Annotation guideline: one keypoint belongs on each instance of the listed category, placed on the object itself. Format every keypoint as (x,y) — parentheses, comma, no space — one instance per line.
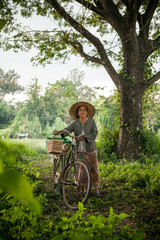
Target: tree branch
(151,80)
(78,27)
(125,2)
(107,10)
(90,37)
(155,44)
(145,19)
(128,3)
(91,7)
(113,16)
(79,48)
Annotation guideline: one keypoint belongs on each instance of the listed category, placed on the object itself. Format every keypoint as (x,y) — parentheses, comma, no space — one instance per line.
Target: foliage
(151,107)
(132,189)
(94,227)
(67,38)
(8,83)
(19,208)
(12,182)
(58,97)
(143,174)
(7,114)
(40,114)
(151,143)
(106,144)
(107,119)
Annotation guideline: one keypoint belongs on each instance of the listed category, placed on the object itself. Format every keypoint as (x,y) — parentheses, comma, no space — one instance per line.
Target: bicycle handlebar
(72,136)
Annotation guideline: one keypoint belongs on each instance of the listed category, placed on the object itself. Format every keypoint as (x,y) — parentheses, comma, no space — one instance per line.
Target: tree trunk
(131,122)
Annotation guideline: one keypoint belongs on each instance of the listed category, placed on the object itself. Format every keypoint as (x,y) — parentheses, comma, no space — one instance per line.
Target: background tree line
(41,113)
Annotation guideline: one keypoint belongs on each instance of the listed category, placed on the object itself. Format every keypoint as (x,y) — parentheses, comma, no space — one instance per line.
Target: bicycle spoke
(76,184)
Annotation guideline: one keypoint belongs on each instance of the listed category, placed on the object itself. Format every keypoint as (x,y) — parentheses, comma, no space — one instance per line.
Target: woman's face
(82,112)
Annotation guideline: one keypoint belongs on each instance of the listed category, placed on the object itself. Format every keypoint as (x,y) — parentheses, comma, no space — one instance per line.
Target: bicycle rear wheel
(76,184)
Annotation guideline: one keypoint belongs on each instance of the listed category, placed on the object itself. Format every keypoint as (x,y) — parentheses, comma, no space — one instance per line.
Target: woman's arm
(92,136)
(67,130)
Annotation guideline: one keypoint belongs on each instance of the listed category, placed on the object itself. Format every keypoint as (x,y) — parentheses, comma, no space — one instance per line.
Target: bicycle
(75,177)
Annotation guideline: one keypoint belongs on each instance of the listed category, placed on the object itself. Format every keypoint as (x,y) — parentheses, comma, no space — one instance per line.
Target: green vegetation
(40,114)
(128,209)
(130,203)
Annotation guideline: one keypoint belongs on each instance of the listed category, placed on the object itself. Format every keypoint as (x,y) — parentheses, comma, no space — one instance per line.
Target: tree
(7,114)
(83,28)
(8,83)
(33,103)
(58,97)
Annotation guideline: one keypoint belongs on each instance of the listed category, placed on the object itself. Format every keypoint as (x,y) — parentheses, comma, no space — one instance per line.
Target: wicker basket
(54,146)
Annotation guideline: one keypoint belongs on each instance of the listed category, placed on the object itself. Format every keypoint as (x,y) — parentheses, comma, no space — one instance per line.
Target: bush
(151,143)
(92,227)
(106,144)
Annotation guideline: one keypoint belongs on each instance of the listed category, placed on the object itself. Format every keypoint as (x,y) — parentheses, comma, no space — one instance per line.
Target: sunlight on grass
(31,143)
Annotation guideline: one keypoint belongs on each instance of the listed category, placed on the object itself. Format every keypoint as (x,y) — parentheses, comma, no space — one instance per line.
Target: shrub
(151,143)
(106,144)
(92,227)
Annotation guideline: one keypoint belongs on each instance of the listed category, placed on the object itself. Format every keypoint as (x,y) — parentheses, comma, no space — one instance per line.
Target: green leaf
(122,216)
(92,219)
(111,211)
(80,206)
(37,174)
(34,206)
(73,218)
(17,185)
(1,166)
(50,224)
(65,219)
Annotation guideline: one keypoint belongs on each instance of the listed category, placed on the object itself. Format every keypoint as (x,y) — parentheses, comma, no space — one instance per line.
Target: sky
(20,62)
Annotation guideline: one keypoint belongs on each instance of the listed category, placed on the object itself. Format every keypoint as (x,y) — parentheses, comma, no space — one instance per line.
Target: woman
(84,127)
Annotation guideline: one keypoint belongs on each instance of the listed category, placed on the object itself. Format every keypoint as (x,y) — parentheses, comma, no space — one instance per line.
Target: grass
(131,188)
(121,196)
(31,143)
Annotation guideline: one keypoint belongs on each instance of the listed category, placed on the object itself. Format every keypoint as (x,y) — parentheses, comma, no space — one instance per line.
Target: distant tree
(63,93)
(83,92)
(33,102)
(8,83)
(7,114)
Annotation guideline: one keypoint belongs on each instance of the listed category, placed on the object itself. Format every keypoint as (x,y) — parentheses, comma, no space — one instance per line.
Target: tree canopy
(8,83)
(85,27)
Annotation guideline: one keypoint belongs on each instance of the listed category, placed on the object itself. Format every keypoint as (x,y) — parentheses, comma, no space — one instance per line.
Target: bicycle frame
(73,189)
(71,158)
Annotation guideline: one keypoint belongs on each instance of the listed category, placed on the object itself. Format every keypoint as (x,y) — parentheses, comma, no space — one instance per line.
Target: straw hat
(73,109)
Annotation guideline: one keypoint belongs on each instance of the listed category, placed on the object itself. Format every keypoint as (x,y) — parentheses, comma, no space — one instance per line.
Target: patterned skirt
(91,160)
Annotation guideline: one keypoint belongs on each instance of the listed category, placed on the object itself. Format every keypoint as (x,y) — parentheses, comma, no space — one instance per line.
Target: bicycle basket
(54,146)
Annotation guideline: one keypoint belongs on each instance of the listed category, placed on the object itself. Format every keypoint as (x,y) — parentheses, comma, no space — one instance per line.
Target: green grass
(128,187)
(124,187)
(31,143)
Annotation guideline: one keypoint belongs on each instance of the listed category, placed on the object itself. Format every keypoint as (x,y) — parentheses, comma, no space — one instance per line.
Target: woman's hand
(81,138)
(57,132)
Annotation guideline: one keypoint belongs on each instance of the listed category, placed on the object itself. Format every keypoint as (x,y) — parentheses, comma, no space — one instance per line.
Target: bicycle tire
(76,184)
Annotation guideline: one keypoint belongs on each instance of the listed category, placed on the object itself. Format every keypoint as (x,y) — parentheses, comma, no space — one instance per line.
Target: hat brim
(73,109)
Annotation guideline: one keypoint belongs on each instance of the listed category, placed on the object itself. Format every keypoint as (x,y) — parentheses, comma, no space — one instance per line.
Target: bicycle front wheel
(76,184)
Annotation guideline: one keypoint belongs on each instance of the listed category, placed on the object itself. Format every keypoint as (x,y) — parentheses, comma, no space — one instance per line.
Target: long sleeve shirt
(89,129)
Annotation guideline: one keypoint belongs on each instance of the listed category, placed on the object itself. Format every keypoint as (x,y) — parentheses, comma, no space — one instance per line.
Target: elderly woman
(84,127)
